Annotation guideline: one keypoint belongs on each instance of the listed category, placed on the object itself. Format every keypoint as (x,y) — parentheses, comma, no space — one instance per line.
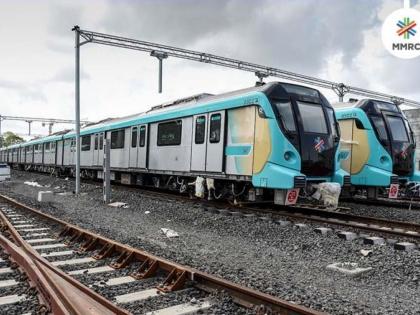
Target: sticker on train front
(292,196)
(393,191)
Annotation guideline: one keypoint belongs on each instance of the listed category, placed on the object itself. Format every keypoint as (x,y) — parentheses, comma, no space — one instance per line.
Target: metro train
(377,147)
(265,142)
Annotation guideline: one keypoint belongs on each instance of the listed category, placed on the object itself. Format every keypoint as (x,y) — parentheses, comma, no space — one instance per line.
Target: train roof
(368,104)
(187,106)
(341,105)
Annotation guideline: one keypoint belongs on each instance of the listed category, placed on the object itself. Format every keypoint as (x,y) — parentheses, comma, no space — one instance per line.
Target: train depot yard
(274,170)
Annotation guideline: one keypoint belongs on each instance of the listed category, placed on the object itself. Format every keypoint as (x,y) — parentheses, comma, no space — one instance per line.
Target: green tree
(9,138)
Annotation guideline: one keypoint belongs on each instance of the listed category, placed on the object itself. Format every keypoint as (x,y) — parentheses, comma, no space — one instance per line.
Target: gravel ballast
(280,260)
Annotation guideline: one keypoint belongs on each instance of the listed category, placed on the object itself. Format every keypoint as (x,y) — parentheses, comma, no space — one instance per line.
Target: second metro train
(377,147)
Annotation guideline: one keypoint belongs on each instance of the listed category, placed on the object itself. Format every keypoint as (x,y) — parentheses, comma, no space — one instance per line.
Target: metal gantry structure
(45,121)
(161,52)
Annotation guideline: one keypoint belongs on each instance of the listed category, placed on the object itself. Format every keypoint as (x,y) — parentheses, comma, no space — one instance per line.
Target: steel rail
(317,214)
(28,265)
(62,293)
(306,212)
(324,216)
(409,203)
(244,296)
(259,70)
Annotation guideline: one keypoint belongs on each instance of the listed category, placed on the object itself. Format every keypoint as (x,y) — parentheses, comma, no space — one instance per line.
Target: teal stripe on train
(238,149)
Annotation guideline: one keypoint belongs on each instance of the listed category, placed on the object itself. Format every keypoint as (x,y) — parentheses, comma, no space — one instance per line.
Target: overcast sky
(334,40)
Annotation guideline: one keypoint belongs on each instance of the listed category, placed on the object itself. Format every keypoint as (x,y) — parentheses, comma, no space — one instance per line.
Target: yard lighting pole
(76,30)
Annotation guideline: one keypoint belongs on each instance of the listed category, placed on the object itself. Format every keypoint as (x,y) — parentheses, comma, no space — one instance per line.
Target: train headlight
(384,160)
(289,156)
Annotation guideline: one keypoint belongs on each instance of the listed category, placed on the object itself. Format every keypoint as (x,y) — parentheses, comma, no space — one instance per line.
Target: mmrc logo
(319,144)
(399,33)
(406,28)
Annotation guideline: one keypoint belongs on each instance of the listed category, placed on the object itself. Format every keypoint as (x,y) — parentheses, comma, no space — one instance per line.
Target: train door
(142,148)
(100,158)
(199,145)
(95,149)
(133,150)
(215,142)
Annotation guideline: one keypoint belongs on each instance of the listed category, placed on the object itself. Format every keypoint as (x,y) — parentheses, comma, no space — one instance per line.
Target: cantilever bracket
(261,76)
(340,89)
(397,100)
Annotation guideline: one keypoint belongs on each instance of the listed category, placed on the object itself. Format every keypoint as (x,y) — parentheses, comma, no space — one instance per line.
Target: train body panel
(361,153)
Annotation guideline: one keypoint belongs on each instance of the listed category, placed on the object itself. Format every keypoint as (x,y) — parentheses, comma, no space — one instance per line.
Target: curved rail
(177,273)
(61,293)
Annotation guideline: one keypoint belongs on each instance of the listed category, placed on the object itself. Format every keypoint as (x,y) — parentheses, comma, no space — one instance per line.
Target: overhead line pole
(76,30)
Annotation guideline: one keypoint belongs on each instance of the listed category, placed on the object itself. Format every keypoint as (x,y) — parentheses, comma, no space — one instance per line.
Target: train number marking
(393,191)
(292,196)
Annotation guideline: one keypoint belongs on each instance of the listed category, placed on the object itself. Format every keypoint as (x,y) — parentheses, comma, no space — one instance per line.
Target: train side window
(134,137)
(200,129)
(101,141)
(96,141)
(142,141)
(169,133)
(313,118)
(215,128)
(379,124)
(85,143)
(47,147)
(117,139)
(285,114)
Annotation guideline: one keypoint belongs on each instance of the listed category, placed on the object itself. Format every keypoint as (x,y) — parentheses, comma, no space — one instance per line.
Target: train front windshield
(398,129)
(395,134)
(308,122)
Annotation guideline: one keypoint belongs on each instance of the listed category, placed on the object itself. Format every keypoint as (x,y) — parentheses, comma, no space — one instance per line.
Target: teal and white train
(260,142)
(377,146)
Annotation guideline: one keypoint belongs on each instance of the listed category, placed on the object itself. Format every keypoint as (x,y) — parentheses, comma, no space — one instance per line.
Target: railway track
(405,203)
(15,287)
(298,213)
(78,270)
